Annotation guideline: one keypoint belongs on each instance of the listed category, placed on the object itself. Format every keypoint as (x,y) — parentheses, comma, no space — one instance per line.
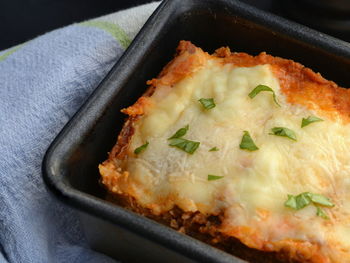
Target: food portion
(232,146)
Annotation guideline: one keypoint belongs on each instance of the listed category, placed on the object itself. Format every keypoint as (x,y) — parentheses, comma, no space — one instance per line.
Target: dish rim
(80,124)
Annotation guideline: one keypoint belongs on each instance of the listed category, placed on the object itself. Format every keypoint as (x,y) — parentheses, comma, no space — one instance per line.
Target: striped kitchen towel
(42,84)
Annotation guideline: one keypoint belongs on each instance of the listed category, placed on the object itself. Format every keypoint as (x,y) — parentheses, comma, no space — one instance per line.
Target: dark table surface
(22,20)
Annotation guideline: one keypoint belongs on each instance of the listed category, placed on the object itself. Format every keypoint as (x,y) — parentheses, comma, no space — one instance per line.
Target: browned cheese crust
(299,84)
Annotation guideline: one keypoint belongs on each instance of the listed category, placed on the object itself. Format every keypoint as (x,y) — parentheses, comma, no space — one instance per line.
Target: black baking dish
(70,165)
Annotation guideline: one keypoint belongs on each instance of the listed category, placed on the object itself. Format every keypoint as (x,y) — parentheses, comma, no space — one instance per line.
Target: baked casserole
(232,147)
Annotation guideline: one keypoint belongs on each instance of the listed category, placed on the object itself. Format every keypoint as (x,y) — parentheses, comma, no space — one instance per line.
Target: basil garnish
(321,200)
(321,213)
(302,200)
(247,142)
(212,177)
(309,120)
(184,144)
(141,148)
(181,143)
(261,88)
(284,132)
(207,103)
(214,149)
(299,201)
(180,132)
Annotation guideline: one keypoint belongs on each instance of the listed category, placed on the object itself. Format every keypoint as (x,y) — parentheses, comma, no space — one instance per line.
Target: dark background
(22,20)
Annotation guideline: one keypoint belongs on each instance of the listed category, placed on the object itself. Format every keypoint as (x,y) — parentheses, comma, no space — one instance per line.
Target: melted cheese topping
(255,184)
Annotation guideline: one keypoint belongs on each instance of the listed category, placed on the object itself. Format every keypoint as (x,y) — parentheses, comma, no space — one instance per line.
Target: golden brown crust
(187,59)
(299,84)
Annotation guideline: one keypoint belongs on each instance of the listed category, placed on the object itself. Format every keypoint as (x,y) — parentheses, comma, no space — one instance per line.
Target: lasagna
(233,148)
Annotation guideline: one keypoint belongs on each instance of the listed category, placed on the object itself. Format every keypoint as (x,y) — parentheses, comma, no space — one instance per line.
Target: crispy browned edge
(300,86)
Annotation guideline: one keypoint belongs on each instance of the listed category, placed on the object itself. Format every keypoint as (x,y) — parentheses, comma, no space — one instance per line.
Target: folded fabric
(43,82)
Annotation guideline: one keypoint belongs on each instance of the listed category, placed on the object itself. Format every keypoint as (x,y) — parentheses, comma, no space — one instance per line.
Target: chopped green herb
(291,202)
(181,132)
(181,143)
(214,149)
(261,88)
(185,145)
(284,132)
(309,120)
(321,200)
(320,212)
(141,148)
(212,177)
(302,200)
(247,143)
(299,201)
(207,103)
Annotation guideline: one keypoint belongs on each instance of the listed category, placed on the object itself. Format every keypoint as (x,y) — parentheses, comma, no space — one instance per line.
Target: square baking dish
(70,165)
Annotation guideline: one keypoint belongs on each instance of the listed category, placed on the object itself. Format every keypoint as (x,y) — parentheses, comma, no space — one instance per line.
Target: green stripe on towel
(9,52)
(116,31)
